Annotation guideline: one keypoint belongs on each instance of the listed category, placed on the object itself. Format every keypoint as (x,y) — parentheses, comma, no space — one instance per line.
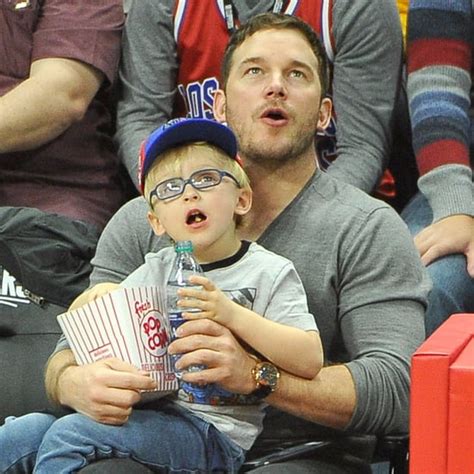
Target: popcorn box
(129,324)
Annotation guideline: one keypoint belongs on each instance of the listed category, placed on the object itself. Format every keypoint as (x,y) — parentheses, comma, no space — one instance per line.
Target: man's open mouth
(275,114)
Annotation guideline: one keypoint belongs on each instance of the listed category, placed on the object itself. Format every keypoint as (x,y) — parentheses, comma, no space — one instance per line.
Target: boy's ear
(155,224)
(324,113)
(219,105)
(244,202)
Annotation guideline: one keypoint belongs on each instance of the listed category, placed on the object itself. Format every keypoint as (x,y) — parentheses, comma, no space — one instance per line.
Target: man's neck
(273,190)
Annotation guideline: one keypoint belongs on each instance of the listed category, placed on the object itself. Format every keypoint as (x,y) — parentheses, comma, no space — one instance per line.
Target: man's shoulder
(330,211)
(83,21)
(135,209)
(130,220)
(343,199)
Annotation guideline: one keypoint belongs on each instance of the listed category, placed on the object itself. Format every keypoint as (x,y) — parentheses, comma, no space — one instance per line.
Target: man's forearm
(25,121)
(39,109)
(57,365)
(329,399)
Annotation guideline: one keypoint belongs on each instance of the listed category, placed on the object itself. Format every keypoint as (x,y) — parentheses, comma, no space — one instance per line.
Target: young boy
(197,190)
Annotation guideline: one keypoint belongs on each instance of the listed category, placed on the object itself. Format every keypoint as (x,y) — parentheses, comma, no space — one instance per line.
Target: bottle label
(175,319)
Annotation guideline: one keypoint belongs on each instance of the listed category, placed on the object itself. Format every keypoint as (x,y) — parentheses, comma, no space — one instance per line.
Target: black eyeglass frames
(200,179)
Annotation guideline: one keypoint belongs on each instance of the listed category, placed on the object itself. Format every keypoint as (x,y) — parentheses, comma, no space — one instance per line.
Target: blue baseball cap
(180,131)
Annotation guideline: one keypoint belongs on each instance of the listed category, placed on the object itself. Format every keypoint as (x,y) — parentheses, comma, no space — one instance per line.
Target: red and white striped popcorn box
(129,324)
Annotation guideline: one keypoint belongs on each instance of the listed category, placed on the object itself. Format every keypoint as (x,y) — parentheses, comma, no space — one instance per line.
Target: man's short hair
(277,21)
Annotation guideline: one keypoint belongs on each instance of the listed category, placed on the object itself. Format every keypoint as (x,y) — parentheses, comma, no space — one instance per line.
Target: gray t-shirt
(259,280)
(363,279)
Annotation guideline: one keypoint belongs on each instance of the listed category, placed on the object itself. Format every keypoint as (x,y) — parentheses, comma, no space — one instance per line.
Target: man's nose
(276,87)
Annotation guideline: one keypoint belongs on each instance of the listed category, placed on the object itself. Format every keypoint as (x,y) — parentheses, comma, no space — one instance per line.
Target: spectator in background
(57,61)
(441,215)
(172,51)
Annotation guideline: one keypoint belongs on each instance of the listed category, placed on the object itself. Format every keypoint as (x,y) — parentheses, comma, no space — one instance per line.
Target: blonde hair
(172,159)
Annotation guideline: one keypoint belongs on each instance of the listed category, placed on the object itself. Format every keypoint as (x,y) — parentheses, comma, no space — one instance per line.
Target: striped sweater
(439,90)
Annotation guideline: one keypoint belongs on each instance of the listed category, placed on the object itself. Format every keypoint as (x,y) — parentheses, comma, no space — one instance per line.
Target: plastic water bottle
(185,265)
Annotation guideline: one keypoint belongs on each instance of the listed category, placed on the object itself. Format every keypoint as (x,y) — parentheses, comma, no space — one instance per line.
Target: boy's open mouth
(195,217)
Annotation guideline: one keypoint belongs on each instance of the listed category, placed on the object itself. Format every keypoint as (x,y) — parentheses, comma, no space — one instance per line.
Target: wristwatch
(266,377)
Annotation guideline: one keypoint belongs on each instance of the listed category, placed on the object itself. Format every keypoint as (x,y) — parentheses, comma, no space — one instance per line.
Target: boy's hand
(212,302)
(92,294)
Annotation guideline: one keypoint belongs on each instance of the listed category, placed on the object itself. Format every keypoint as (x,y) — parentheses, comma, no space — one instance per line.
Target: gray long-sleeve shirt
(363,278)
(366,75)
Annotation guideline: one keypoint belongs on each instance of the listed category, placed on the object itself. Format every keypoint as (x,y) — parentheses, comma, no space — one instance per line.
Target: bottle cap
(183,246)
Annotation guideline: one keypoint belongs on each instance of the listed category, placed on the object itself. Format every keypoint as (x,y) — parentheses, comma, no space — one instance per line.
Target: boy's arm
(290,348)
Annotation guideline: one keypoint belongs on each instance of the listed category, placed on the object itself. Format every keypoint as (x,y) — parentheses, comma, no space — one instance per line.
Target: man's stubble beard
(252,149)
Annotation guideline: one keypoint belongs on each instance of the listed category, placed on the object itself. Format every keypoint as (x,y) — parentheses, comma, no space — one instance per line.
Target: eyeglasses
(201,179)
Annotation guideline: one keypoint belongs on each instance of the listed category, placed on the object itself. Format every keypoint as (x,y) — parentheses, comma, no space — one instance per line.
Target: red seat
(442,400)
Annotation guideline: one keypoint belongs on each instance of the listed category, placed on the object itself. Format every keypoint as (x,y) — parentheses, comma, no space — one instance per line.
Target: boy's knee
(28,430)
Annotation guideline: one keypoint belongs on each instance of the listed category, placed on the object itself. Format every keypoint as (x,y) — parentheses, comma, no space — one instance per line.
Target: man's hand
(105,390)
(206,342)
(453,234)
(212,302)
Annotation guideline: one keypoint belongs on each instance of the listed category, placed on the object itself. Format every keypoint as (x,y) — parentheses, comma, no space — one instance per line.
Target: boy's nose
(189,193)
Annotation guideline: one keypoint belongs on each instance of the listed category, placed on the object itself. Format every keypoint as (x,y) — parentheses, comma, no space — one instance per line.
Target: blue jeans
(453,288)
(19,441)
(170,439)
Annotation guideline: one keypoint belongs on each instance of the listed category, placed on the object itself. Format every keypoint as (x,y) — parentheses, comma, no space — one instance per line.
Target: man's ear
(219,105)
(244,202)
(155,224)
(324,113)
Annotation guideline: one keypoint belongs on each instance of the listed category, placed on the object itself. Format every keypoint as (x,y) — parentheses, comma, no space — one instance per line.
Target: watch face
(268,375)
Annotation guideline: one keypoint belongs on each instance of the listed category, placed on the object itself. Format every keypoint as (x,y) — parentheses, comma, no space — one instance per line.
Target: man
(172,52)
(56,63)
(60,178)
(363,278)
(441,215)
